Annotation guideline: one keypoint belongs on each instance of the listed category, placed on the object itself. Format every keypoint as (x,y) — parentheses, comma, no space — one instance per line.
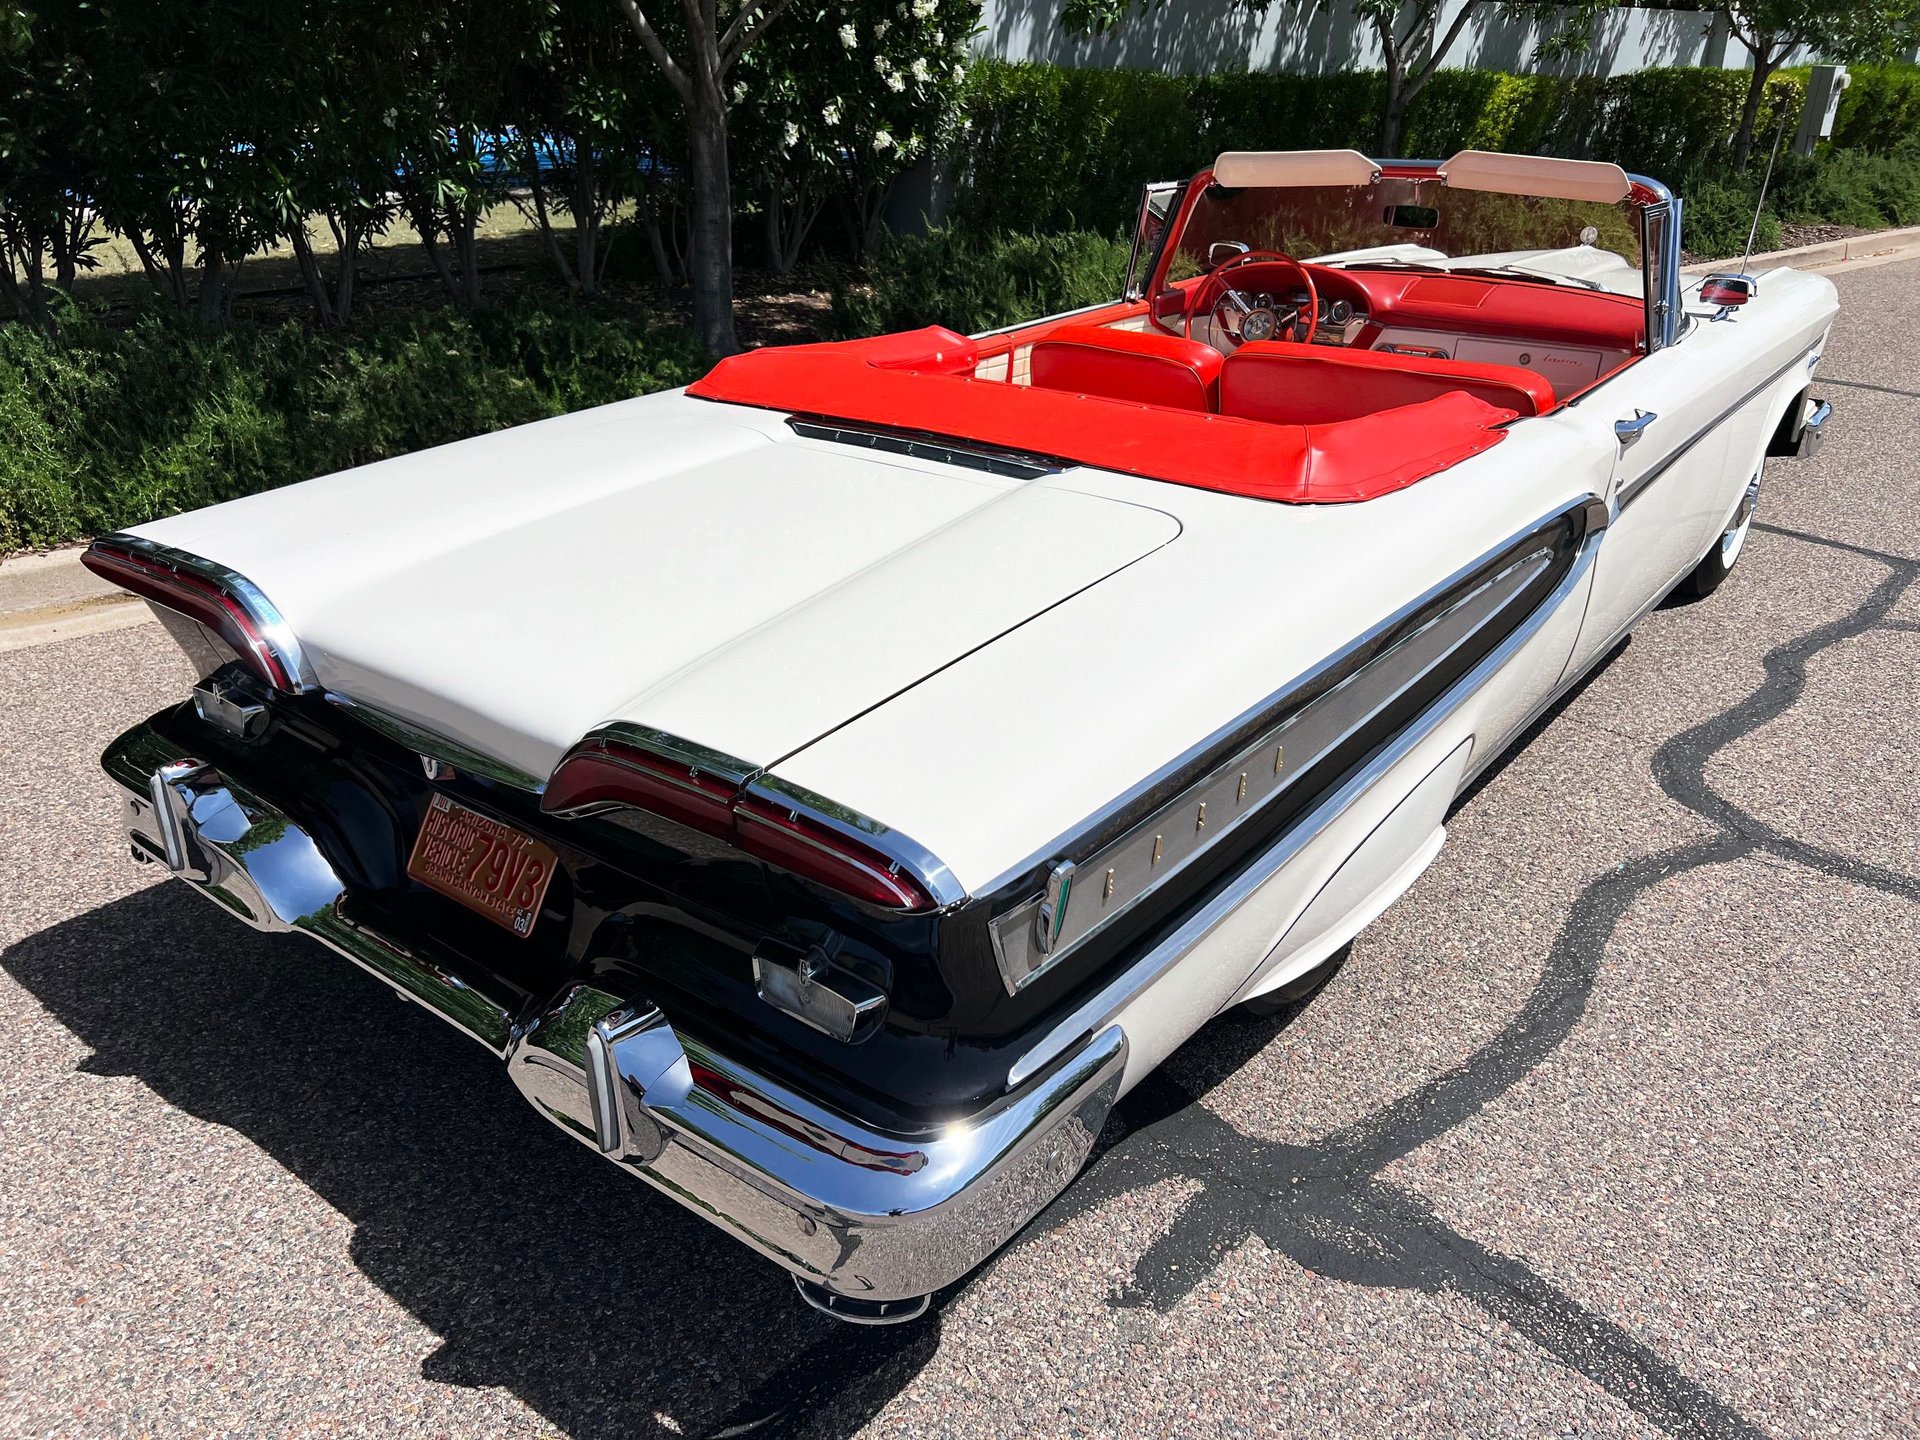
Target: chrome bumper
(1812,433)
(870,1222)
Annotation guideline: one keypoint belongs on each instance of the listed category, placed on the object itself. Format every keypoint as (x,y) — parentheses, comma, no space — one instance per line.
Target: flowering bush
(840,99)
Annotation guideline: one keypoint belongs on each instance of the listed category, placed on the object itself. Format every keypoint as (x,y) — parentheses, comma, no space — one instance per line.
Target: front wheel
(1707,576)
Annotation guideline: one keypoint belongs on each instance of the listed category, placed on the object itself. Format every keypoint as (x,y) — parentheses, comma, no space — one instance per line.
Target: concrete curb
(1880,245)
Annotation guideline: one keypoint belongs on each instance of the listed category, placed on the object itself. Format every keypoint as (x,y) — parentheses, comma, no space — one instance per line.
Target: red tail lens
(605,772)
(197,598)
(818,853)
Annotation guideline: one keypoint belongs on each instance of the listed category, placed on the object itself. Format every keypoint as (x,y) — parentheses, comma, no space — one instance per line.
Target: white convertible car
(830,787)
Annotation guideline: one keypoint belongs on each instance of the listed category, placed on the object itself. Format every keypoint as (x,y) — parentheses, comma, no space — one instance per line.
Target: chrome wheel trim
(1736,534)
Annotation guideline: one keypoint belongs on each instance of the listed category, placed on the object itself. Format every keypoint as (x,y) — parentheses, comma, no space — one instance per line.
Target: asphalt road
(1609,1128)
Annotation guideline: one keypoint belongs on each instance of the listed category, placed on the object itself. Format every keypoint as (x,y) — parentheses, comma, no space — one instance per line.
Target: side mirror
(1221,251)
(1729,292)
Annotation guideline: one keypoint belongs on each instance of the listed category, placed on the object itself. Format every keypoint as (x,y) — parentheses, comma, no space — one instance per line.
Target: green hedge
(102,428)
(1057,149)
(971,282)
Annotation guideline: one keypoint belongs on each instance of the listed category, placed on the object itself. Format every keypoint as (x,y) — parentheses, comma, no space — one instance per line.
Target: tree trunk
(210,305)
(1395,118)
(586,217)
(1757,77)
(310,273)
(712,223)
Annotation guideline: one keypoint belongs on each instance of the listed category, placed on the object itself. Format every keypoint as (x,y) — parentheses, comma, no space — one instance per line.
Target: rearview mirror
(1221,251)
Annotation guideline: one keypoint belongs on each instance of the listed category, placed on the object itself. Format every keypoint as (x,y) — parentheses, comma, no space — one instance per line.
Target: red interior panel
(1316,385)
(1352,460)
(1128,365)
(1468,305)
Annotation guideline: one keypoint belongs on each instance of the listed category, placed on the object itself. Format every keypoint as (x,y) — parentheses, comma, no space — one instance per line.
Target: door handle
(1628,432)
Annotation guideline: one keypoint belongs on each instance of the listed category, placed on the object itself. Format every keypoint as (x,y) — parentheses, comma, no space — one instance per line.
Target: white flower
(390,118)
(896,82)
(920,70)
(959,73)
(880,29)
(847,36)
(882,140)
(793,135)
(923,9)
(880,64)
(739,92)
(832,113)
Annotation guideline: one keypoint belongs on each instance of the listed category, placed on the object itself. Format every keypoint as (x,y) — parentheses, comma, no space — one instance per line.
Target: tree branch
(736,41)
(1438,52)
(650,41)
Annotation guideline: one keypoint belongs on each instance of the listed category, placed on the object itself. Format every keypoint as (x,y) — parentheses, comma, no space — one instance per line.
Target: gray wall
(1198,36)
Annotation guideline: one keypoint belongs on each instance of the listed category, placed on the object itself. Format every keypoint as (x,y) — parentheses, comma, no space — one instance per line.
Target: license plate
(486,866)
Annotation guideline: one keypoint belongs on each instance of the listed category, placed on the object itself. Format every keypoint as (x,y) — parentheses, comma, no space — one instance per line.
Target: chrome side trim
(1639,487)
(245,855)
(431,746)
(1032,937)
(1269,711)
(271,624)
(1104,1007)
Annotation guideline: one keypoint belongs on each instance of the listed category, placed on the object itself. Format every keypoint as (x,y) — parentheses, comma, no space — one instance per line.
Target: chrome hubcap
(1736,533)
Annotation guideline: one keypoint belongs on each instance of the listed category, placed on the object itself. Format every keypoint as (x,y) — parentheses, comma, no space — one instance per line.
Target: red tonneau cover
(922,381)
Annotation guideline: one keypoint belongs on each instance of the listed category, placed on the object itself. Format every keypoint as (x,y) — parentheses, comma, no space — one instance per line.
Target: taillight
(197,598)
(605,772)
(601,772)
(814,851)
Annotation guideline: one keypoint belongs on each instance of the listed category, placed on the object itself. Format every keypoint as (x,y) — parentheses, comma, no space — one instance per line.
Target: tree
(840,101)
(1413,44)
(716,34)
(1836,29)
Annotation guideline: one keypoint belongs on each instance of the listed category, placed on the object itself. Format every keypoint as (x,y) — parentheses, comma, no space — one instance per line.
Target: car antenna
(1760,205)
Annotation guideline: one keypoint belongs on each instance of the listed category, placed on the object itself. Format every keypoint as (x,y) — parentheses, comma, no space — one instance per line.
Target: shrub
(970,282)
(1717,217)
(102,428)
(1850,187)
(1052,148)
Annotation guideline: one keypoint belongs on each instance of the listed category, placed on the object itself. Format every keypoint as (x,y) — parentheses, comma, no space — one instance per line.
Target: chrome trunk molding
(266,618)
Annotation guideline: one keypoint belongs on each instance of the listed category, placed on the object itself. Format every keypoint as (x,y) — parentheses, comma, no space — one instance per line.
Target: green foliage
(1056,148)
(1850,187)
(970,282)
(102,428)
(1718,215)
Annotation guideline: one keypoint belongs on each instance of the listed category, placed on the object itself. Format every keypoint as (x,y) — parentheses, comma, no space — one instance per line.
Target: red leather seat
(1128,365)
(1290,384)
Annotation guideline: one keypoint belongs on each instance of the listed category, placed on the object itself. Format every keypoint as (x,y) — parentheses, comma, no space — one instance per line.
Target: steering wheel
(1217,298)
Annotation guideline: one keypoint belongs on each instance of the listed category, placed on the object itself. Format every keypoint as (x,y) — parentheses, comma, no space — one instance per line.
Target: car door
(1673,486)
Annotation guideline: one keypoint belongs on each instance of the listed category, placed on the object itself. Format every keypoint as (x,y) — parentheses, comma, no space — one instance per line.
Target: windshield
(1425,222)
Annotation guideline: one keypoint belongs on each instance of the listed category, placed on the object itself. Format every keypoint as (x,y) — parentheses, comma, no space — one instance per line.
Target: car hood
(669,562)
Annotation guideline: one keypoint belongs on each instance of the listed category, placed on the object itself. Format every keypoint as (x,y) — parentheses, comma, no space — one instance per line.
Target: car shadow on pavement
(599,1303)
(612,1312)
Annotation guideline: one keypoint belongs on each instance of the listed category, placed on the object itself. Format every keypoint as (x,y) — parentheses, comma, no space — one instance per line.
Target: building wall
(1200,36)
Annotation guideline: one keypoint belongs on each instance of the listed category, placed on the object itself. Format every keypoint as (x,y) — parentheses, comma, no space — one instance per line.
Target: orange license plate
(486,866)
